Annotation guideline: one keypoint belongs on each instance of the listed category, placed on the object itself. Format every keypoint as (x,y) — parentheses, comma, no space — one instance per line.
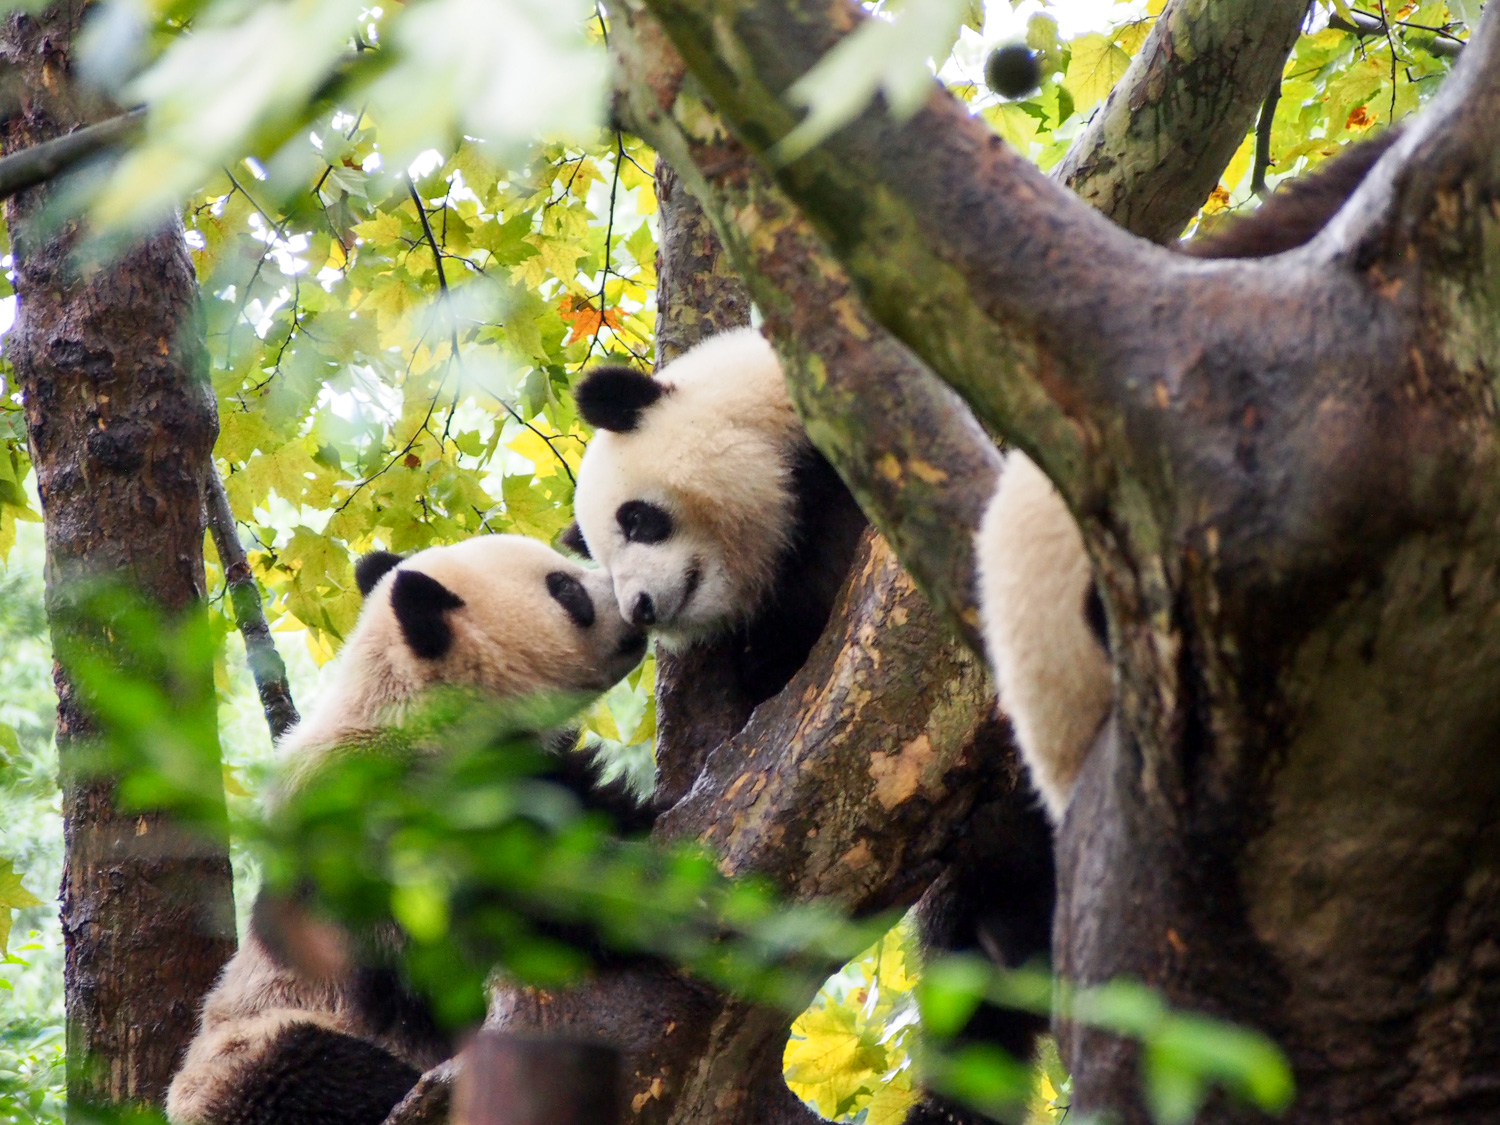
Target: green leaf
(891,56)
(1094,67)
(13,896)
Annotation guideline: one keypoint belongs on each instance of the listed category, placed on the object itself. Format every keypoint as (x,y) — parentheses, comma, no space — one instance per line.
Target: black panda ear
(371,568)
(1093,613)
(613,397)
(572,539)
(421,603)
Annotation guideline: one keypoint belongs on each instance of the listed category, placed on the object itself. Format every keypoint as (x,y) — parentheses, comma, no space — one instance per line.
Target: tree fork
(1274,464)
(121,426)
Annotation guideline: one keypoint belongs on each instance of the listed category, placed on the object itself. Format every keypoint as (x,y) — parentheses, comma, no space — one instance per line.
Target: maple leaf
(585,319)
(13,896)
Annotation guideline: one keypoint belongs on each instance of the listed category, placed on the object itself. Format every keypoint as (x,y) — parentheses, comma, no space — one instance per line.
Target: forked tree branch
(856,386)
(1157,146)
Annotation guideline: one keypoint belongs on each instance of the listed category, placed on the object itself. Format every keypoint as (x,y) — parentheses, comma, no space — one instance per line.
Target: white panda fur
(1053,677)
(277,1046)
(759,530)
(711,450)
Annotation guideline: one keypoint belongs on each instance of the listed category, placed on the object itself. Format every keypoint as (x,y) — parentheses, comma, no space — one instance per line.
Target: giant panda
(500,614)
(1043,619)
(703,498)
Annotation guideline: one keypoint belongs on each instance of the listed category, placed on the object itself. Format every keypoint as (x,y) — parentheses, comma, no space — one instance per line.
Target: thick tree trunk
(1285,474)
(121,423)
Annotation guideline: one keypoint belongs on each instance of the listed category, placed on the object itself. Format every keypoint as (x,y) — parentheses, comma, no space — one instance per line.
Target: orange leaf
(585,319)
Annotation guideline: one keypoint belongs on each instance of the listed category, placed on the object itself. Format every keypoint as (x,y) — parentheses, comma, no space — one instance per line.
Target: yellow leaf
(319,645)
(1130,37)
(384,227)
(232,784)
(1095,67)
(891,1101)
(1239,165)
(544,457)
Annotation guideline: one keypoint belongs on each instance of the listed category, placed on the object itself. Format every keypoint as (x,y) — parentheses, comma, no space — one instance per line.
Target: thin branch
(442,276)
(266,665)
(1364,26)
(609,234)
(40,163)
(1263,137)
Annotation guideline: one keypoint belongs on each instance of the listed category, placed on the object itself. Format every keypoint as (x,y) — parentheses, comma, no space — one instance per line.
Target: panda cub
(703,498)
(501,614)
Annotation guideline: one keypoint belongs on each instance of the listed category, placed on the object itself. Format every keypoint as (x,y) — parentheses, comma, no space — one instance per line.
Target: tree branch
(1156,147)
(1263,137)
(40,163)
(265,662)
(856,386)
(1362,25)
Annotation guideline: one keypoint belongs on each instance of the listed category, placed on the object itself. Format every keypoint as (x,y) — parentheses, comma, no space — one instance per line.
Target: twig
(442,276)
(1362,25)
(1263,138)
(39,163)
(265,662)
(609,234)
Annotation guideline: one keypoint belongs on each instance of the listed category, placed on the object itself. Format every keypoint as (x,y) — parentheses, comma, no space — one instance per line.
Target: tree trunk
(1285,473)
(121,421)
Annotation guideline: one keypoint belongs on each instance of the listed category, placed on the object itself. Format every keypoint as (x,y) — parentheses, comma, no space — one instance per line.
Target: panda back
(1053,677)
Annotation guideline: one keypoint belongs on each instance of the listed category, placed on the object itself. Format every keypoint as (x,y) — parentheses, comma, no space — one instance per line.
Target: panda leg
(311,1075)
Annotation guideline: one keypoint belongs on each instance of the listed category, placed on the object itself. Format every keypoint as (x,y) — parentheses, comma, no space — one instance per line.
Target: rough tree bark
(861,389)
(887,731)
(121,425)
(1284,471)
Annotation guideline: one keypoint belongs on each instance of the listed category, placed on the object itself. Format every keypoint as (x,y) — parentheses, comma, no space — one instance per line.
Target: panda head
(502,614)
(684,495)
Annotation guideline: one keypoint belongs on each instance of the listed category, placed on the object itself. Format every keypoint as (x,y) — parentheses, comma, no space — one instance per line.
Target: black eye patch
(569,593)
(644,522)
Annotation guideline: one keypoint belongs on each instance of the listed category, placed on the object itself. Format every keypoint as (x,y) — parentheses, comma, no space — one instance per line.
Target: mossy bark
(1285,473)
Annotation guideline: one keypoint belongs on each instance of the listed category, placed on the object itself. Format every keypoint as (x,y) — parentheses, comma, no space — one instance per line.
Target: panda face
(501,613)
(668,572)
(684,494)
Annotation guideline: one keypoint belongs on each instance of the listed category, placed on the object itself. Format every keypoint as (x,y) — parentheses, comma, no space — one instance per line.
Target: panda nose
(644,611)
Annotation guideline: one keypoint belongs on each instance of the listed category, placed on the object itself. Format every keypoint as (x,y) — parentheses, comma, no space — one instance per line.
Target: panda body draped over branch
(500,614)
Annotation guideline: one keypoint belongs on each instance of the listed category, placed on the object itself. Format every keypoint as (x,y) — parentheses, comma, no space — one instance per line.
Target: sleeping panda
(703,498)
(501,614)
(1044,622)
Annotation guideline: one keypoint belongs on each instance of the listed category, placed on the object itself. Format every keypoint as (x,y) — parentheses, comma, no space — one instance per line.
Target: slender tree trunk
(121,421)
